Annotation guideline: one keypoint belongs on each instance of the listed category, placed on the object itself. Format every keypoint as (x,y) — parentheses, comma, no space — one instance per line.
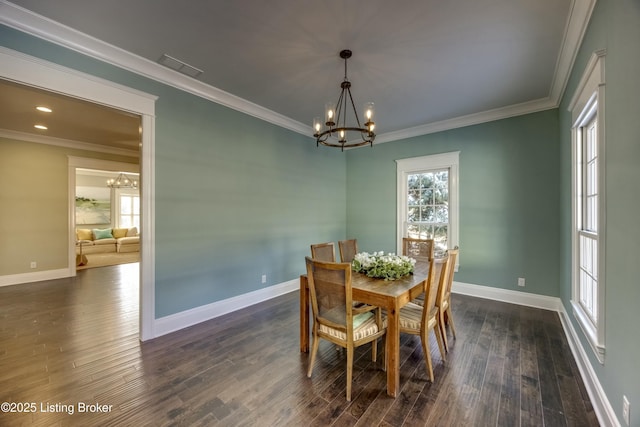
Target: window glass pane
(428,205)
(125,205)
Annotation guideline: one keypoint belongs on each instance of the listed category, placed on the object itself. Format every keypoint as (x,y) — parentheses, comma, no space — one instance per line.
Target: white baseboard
(184,319)
(602,407)
(36,276)
(507,295)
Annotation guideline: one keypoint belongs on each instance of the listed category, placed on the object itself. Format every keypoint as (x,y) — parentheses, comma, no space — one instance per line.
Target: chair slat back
(330,289)
(453,256)
(437,275)
(323,252)
(348,249)
(417,248)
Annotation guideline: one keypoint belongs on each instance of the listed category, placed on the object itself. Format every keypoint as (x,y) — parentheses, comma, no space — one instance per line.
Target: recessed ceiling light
(43,109)
(42,127)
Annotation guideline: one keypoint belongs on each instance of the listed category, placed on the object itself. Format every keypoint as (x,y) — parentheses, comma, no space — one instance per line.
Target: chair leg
(386,352)
(349,371)
(450,316)
(443,330)
(374,350)
(427,356)
(314,350)
(438,332)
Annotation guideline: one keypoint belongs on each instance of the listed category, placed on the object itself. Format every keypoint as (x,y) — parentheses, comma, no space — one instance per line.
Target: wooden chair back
(348,249)
(444,293)
(420,249)
(330,290)
(323,252)
(437,275)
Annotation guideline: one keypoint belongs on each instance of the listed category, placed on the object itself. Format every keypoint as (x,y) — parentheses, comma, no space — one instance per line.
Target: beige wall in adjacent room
(34,205)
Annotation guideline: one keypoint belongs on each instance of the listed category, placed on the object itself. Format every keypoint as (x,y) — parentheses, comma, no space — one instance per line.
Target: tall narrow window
(587,114)
(428,199)
(587,218)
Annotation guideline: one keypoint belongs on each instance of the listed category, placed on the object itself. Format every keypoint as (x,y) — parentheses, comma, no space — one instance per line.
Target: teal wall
(509,198)
(236,197)
(614,26)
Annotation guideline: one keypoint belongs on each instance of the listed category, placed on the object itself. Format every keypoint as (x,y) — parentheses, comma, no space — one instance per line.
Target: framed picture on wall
(93,205)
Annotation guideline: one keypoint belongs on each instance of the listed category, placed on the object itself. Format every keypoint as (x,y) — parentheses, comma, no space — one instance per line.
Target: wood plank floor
(70,342)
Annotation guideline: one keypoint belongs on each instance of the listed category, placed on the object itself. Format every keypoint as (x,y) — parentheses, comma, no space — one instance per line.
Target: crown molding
(471,119)
(67,143)
(39,26)
(576,27)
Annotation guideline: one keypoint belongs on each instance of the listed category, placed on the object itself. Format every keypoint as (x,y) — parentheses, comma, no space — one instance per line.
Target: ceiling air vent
(179,66)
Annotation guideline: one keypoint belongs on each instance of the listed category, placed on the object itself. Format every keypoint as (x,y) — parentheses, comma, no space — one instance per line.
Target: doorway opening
(24,69)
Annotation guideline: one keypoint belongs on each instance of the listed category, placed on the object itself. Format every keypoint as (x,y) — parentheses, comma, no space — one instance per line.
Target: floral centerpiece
(379,265)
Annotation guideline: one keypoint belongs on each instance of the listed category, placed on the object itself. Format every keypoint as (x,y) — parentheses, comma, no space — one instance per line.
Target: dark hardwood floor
(74,342)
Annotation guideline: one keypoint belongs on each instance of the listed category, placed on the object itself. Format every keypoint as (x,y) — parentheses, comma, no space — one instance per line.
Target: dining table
(390,295)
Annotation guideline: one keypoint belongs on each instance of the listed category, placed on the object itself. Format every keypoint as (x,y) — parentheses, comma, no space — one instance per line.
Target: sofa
(93,241)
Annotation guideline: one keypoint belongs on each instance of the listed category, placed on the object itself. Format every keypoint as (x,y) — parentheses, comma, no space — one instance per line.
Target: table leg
(304,314)
(393,347)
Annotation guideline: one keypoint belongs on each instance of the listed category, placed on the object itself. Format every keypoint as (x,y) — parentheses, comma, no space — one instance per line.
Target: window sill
(589,331)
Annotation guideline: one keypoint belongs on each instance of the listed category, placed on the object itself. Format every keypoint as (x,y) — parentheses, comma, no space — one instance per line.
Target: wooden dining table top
(388,294)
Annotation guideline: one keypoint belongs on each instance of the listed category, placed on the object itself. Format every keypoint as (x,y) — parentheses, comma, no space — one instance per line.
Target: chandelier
(123,181)
(337,132)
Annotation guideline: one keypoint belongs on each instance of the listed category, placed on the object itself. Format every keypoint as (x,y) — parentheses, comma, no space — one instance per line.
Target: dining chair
(324,252)
(421,319)
(333,315)
(444,298)
(420,249)
(348,249)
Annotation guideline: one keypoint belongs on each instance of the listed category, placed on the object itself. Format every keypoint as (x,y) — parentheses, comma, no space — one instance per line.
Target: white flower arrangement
(379,265)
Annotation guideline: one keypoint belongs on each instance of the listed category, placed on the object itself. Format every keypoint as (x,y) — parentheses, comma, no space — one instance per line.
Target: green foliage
(379,265)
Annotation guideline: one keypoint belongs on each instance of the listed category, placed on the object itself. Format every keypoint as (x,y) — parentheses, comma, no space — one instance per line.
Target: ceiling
(427,64)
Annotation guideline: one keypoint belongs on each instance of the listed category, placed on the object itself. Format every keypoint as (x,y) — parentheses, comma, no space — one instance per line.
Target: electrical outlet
(626,410)
(264,278)
(34,264)
(521,281)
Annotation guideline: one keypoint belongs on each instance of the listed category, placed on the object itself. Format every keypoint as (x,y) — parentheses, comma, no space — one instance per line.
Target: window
(129,210)
(428,199)
(587,297)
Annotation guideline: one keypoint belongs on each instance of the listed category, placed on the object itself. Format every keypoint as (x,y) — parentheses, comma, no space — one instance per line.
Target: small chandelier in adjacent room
(123,181)
(337,132)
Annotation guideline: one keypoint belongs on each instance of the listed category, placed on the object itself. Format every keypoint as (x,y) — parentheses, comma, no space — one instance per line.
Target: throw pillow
(132,232)
(102,234)
(119,232)
(84,234)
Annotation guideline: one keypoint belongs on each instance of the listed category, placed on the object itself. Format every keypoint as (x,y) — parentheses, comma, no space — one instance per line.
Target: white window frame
(406,167)
(587,103)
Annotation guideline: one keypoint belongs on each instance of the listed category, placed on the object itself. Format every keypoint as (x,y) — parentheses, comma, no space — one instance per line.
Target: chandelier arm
(338,111)
(353,105)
